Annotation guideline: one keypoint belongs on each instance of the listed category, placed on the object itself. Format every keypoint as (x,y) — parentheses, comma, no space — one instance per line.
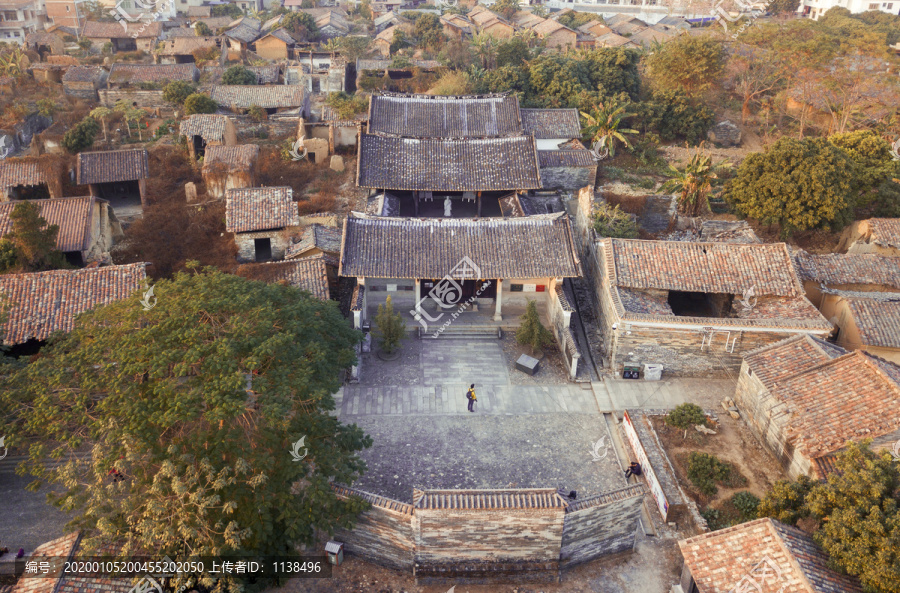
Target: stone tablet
(527,364)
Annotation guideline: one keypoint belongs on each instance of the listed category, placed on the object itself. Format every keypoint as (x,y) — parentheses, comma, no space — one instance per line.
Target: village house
(202,130)
(216,24)
(311,275)
(456,26)
(613,40)
(551,127)
(270,74)
(262,220)
(45,302)
(692,307)
(45,44)
(805,399)
(379,73)
(84,82)
(595,28)
(647,36)
(28,179)
(274,99)
(150,76)
(198,12)
(276,45)
(229,167)
(180,50)
(332,24)
(761,555)
(18,18)
(880,236)
(46,72)
(388,20)
(66,13)
(87,226)
(133,37)
(567,170)
(556,35)
(243,35)
(118,176)
(317,240)
(382,41)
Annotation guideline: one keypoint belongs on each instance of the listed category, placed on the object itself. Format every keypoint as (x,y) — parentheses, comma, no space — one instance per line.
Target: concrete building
(66,13)
(815,9)
(18,18)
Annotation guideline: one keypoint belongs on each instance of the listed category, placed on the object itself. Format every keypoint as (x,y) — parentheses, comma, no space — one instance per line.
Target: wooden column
(498,304)
(478,197)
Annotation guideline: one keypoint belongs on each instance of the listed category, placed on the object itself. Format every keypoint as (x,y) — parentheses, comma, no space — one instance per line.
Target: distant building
(273,99)
(18,18)
(28,179)
(132,37)
(84,82)
(118,176)
(815,9)
(67,13)
(202,130)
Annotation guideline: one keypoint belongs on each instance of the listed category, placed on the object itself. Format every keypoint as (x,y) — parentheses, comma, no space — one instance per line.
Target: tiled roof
(62,547)
(478,500)
(233,157)
(796,354)
(549,27)
(243,33)
(612,40)
(774,555)
(840,269)
(114,30)
(885,231)
(426,116)
(44,302)
(282,34)
(180,32)
(66,547)
(530,247)
(178,46)
(63,60)
(316,236)
(878,320)
(199,11)
(383,64)
(551,123)
(623,18)
(15,172)
(72,215)
(259,209)
(448,165)
(43,38)
(208,126)
(627,28)
(83,74)
(216,22)
(648,35)
(310,275)
(264,74)
(113,165)
(267,97)
(123,73)
(566,158)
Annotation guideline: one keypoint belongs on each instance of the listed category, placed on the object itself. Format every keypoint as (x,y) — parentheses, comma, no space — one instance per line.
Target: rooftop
(566,158)
(15,172)
(264,74)
(551,123)
(208,126)
(178,45)
(113,165)
(267,97)
(530,247)
(842,269)
(124,73)
(316,236)
(878,320)
(259,209)
(885,231)
(44,302)
(242,156)
(72,215)
(243,33)
(310,274)
(765,552)
(115,30)
(428,116)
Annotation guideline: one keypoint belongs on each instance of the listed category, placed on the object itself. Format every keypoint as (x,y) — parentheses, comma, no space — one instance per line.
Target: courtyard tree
(614,222)
(81,136)
(102,113)
(603,125)
(177,91)
(428,32)
(199,103)
(301,24)
(239,75)
(532,332)
(30,246)
(196,404)
(389,327)
(752,74)
(693,183)
(797,184)
(201,29)
(691,63)
(506,8)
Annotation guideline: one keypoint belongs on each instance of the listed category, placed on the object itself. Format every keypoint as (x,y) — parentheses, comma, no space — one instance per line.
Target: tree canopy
(81,136)
(30,246)
(239,75)
(177,91)
(195,403)
(688,63)
(199,103)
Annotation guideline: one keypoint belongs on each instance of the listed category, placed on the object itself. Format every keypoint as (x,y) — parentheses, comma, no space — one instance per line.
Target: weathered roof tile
(113,165)
(259,208)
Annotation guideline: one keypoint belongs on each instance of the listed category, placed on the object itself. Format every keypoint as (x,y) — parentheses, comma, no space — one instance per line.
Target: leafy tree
(783,6)
(365,9)
(352,47)
(135,116)
(673,115)
(176,92)
(199,103)
(532,332)
(693,183)
(257,113)
(539,10)
(389,327)
(690,63)
(613,222)
(485,47)
(573,20)
(229,10)
(201,29)
(603,125)
(747,504)
(102,113)
(398,40)
(786,501)
(95,11)
(506,8)
(685,416)
(512,52)
(452,83)
(47,107)
(81,136)
(301,24)
(347,106)
(705,470)
(196,403)
(239,75)
(429,32)
(753,74)
(871,157)
(457,54)
(31,244)
(798,184)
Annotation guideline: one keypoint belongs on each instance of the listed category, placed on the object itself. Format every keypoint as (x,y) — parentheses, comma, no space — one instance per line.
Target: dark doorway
(30,192)
(199,146)
(125,44)
(263,248)
(74,258)
(459,291)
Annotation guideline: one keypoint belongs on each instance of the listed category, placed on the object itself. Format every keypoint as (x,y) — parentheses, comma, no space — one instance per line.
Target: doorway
(263,249)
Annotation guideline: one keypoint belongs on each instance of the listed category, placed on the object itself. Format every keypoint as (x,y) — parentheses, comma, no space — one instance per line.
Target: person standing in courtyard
(470,394)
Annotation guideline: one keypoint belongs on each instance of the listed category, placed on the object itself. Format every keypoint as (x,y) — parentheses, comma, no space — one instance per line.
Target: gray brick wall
(601,525)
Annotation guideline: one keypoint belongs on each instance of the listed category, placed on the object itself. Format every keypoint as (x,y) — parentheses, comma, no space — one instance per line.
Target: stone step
(464,331)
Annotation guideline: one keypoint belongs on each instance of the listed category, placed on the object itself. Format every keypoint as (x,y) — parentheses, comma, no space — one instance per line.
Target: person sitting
(634,469)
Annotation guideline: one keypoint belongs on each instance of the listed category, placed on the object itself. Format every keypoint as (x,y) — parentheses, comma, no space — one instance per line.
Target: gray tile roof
(83,74)
(427,116)
(878,319)
(114,30)
(384,64)
(448,165)
(885,231)
(552,123)
(531,247)
(243,33)
(842,269)
(264,74)
(310,275)
(208,126)
(316,236)
(267,97)
(566,158)
(259,209)
(114,165)
(124,73)
(72,215)
(242,156)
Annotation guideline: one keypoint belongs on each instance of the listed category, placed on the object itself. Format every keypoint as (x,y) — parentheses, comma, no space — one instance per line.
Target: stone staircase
(462,330)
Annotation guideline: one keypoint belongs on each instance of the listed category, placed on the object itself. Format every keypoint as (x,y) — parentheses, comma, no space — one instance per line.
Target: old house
(132,37)
(762,555)
(84,82)
(647,36)
(412,137)
(262,220)
(457,27)
(229,167)
(202,130)
(46,72)
(694,307)
(118,176)
(29,179)
(276,45)
(332,24)
(87,226)
(555,34)
(122,76)
(595,28)
(386,20)
(199,12)
(316,240)
(311,275)
(805,399)
(613,40)
(551,127)
(45,302)
(382,41)
(567,170)
(45,44)
(880,236)
(274,99)
(269,74)
(241,37)
(180,50)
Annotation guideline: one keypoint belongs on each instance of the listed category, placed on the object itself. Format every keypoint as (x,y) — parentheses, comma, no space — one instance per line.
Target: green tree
(783,6)
(102,114)
(506,8)
(673,115)
(352,47)
(429,32)
(690,63)
(603,125)
(532,332)
(398,40)
(685,416)
(871,157)
(786,501)
(81,136)
(177,91)
(301,24)
(452,83)
(199,103)
(485,47)
(613,222)
(31,244)
(512,52)
(389,327)
(47,107)
(201,29)
(257,113)
(198,404)
(693,183)
(365,9)
(229,10)
(798,184)
(347,106)
(239,75)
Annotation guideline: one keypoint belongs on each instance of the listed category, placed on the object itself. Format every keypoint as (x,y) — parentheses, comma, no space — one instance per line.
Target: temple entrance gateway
(459,291)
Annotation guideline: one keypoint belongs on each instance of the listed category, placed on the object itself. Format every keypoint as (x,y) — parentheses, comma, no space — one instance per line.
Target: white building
(816,8)
(18,18)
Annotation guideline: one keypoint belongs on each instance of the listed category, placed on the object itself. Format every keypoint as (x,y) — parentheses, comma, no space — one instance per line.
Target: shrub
(389,327)
(786,500)
(238,75)
(705,470)
(746,503)
(81,136)
(201,29)
(257,113)
(613,222)
(685,416)
(347,106)
(178,91)
(532,332)
(199,103)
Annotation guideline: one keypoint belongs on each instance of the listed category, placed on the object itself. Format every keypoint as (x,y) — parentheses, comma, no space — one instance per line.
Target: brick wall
(601,525)
(567,178)
(148,99)
(82,90)
(245,242)
(383,534)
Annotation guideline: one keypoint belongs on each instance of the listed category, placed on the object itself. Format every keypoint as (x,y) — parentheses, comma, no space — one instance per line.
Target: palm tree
(602,126)
(102,113)
(485,49)
(693,183)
